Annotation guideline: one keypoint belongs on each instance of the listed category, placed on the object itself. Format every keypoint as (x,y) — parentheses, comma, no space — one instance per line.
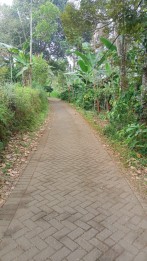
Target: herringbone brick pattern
(72,202)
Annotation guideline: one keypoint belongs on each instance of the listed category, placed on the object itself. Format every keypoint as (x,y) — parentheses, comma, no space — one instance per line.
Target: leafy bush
(20,109)
(122,113)
(40,71)
(135,136)
(88,99)
(3,73)
(6,117)
(124,125)
(64,95)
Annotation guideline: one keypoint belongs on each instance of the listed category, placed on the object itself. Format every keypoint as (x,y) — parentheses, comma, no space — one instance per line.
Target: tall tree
(14,26)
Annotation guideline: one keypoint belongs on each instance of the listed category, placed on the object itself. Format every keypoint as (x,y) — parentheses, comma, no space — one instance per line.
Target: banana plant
(10,49)
(21,58)
(90,65)
(90,61)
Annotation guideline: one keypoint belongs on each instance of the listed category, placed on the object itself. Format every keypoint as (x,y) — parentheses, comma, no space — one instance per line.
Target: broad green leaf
(92,59)
(14,50)
(83,66)
(20,60)
(25,46)
(108,44)
(84,57)
(22,71)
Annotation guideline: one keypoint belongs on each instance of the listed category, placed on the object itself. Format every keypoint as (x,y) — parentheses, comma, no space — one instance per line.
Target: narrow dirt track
(72,201)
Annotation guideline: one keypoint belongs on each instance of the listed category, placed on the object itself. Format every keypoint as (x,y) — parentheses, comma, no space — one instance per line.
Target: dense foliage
(110,73)
(21,107)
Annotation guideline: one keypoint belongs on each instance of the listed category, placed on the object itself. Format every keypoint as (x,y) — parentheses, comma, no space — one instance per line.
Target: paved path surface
(72,202)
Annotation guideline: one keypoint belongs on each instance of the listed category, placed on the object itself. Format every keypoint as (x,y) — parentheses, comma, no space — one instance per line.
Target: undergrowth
(21,109)
(125,147)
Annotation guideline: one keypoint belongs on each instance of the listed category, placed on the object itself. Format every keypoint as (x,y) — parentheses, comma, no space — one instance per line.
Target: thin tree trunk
(144,92)
(123,74)
(98,106)
(11,67)
(121,45)
(107,105)
(31,40)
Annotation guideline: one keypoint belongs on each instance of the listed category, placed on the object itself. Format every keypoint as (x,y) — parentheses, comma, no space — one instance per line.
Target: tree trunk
(123,74)
(107,105)
(121,45)
(98,106)
(144,93)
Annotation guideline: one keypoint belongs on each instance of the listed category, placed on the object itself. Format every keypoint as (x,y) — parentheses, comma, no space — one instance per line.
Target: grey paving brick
(141,257)
(12,254)
(29,254)
(82,224)
(24,243)
(76,233)
(38,242)
(84,244)
(98,244)
(69,225)
(44,254)
(52,242)
(60,254)
(125,256)
(93,255)
(63,232)
(76,255)
(69,243)
(90,234)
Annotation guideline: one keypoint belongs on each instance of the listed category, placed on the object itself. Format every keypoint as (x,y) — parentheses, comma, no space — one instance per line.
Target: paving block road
(72,201)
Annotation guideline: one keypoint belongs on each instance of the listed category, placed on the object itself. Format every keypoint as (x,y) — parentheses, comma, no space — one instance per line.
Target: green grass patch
(54,94)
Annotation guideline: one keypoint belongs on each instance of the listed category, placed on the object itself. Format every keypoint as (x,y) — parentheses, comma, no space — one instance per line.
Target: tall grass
(20,109)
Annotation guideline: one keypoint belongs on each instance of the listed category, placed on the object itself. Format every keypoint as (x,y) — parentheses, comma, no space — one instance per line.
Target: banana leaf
(108,44)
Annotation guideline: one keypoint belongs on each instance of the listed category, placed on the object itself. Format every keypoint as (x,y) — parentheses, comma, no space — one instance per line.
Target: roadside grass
(99,122)
(21,110)
(134,163)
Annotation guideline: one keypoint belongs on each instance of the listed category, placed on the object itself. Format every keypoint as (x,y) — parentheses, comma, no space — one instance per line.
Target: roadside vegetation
(21,109)
(109,71)
(27,71)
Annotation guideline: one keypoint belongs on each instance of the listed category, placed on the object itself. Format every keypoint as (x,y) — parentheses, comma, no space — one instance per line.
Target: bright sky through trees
(8,2)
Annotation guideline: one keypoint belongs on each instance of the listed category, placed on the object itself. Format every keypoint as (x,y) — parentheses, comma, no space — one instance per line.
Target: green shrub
(40,71)
(55,94)
(135,136)
(4,73)
(28,104)
(122,113)
(20,109)
(88,99)
(6,119)
(64,95)
(124,123)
